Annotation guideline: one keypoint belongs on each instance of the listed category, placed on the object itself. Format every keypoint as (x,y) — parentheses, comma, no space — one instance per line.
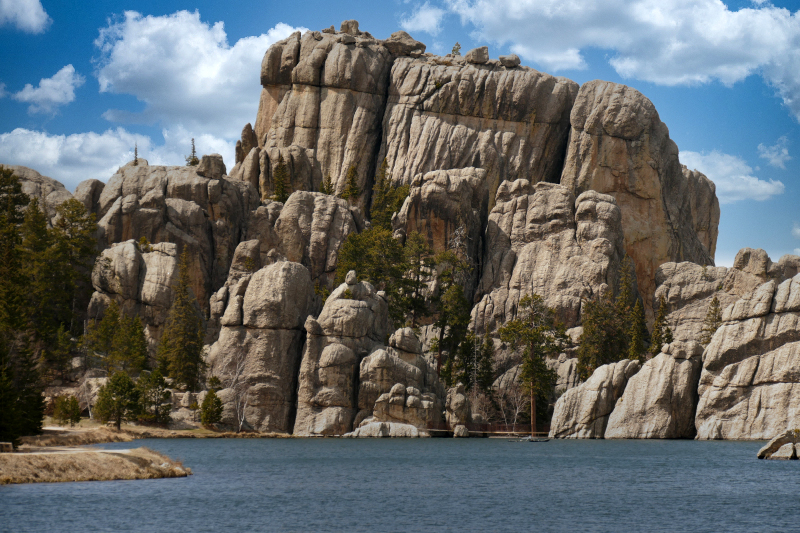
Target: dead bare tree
(235,364)
(512,401)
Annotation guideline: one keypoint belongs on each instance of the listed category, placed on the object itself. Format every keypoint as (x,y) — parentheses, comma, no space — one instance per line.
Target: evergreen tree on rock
(280,181)
(712,322)
(192,160)
(180,352)
(154,397)
(327,186)
(117,400)
(351,190)
(661,333)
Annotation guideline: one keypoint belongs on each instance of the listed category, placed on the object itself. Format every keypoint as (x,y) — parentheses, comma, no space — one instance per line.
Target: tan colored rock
(750,387)
(541,240)
(88,193)
(353,322)
(257,360)
(402,44)
(387,430)
(50,193)
(478,56)
(510,61)
(780,442)
(458,408)
(583,412)
(445,113)
(659,401)
(211,167)
(619,146)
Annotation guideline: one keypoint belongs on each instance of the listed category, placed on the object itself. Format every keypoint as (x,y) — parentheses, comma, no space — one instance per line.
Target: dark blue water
(428,485)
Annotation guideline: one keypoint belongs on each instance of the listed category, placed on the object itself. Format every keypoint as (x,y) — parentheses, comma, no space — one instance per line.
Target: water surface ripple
(428,485)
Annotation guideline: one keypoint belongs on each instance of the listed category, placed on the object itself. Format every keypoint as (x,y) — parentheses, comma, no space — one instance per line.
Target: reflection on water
(428,484)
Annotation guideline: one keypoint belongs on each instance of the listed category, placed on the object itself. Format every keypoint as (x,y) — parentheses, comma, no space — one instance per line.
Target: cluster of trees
(44,282)
(146,399)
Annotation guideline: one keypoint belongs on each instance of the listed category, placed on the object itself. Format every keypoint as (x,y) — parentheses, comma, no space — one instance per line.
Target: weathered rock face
(141,282)
(458,408)
(619,146)
(178,205)
(322,105)
(660,400)
(450,113)
(444,206)
(583,412)
(397,384)
(353,322)
(541,240)
(257,355)
(750,383)
(783,446)
(51,193)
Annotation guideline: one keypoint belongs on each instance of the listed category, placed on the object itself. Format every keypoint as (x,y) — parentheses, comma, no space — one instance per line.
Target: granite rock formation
(541,239)
(257,355)
(659,401)
(750,385)
(49,192)
(583,411)
(619,146)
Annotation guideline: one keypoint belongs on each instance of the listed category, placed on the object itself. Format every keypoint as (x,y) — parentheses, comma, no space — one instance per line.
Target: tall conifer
(351,190)
(712,322)
(280,181)
(180,350)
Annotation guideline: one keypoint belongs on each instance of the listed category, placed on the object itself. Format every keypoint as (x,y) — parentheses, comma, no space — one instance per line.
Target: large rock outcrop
(541,240)
(750,383)
(659,401)
(619,146)
(257,355)
(353,322)
(205,214)
(583,411)
(141,281)
(49,192)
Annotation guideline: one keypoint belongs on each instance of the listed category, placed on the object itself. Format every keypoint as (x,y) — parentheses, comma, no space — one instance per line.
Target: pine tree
(712,322)
(192,160)
(128,351)
(536,330)
(211,409)
(419,264)
(280,181)
(135,154)
(637,331)
(604,339)
(473,365)
(456,49)
(154,397)
(58,357)
(180,350)
(659,337)
(67,410)
(351,191)
(99,338)
(327,186)
(453,308)
(117,400)
(386,199)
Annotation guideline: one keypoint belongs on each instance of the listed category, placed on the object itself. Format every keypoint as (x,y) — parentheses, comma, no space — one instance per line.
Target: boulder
(786,441)
(478,56)
(541,239)
(510,61)
(402,44)
(257,355)
(659,401)
(583,412)
(387,429)
(88,193)
(619,146)
(211,167)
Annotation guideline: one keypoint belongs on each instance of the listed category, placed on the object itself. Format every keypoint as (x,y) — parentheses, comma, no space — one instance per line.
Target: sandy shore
(49,465)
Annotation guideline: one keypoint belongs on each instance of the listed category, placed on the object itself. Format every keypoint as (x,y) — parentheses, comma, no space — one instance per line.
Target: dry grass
(77,437)
(88,465)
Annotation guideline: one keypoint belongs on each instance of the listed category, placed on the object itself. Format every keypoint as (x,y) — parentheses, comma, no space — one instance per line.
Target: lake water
(428,485)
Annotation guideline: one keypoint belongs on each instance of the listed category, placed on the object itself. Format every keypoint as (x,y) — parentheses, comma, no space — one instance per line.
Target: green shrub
(67,410)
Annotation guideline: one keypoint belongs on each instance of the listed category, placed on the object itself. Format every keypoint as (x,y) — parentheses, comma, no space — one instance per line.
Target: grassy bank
(87,465)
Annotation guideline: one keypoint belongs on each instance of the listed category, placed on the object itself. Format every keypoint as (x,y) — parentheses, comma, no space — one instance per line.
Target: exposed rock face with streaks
(659,401)
(257,355)
(750,382)
(619,146)
(541,240)
(583,411)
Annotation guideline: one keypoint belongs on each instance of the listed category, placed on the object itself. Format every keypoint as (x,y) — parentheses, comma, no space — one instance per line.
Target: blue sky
(80,83)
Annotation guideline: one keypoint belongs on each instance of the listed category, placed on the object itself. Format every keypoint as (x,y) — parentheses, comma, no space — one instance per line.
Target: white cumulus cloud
(669,42)
(425,18)
(796,230)
(51,92)
(27,15)
(184,71)
(776,155)
(73,158)
(733,177)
